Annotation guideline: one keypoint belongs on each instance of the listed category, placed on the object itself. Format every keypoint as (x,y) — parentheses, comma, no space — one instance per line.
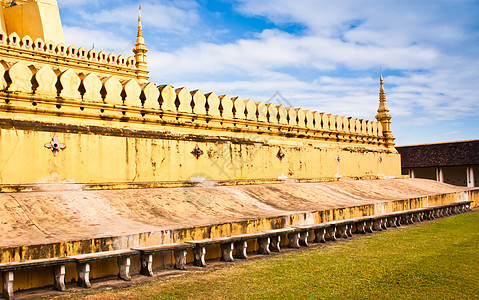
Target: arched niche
(27,43)
(82,53)
(50,47)
(39,45)
(72,51)
(14,40)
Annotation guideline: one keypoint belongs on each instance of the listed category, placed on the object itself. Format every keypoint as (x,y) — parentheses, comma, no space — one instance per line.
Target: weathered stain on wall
(90,158)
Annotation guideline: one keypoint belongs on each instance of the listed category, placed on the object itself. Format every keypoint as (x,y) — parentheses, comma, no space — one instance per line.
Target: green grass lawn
(435,260)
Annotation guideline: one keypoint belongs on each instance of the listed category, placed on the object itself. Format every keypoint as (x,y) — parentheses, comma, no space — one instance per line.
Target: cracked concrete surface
(48,217)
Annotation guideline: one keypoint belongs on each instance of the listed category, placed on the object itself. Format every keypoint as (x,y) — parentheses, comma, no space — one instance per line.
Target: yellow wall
(36,19)
(3,27)
(101,158)
(118,131)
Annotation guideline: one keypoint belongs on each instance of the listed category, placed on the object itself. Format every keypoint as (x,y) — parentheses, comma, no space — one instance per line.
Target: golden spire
(383,116)
(140,52)
(140,28)
(382,98)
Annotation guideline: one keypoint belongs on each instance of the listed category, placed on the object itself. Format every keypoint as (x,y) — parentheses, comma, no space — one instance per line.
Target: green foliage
(436,260)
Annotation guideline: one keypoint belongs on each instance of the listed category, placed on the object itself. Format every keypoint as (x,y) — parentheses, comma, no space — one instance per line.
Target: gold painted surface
(122,140)
(37,19)
(114,144)
(93,158)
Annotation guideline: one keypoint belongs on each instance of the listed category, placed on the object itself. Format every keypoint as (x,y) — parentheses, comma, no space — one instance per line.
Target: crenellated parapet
(89,94)
(80,60)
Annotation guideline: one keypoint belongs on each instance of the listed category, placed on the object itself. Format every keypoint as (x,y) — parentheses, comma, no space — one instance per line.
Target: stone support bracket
(349,230)
(409,219)
(124,268)
(199,256)
(59,274)
(331,233)
(180,259)
(384,223)
(319,235)
(83,270)
(303,239)
(146,261)
(369,226)
(7,285)
(263,246)
(275,244)
(392,221)
(361,227)
(377,225)
(429,215)
(241,249)
(342,231)
(294,240)
(227,252)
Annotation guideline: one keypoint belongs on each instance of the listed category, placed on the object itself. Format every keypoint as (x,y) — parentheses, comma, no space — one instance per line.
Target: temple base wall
(41,277)
(115,156)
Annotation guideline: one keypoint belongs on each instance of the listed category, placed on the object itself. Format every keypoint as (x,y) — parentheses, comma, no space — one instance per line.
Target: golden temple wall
(60,57)
(118,131)
(35,18)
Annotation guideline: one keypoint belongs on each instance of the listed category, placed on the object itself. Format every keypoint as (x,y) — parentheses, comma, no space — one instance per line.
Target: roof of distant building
(459,153)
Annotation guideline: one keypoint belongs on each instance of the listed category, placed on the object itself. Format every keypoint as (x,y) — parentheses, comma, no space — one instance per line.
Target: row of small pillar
(52,49)
(89,88)
(470,179)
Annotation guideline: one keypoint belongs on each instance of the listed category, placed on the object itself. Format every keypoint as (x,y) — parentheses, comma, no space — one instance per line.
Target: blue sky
(318,55)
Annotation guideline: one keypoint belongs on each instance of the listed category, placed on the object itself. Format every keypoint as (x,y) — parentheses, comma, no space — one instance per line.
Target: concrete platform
(74,221)
(59,216)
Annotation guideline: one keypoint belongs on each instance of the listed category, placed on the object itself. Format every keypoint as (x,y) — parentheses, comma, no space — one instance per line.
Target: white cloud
(273,50)
(103,40)
(72,3)
(427,48)
(369,21)
(155,15)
